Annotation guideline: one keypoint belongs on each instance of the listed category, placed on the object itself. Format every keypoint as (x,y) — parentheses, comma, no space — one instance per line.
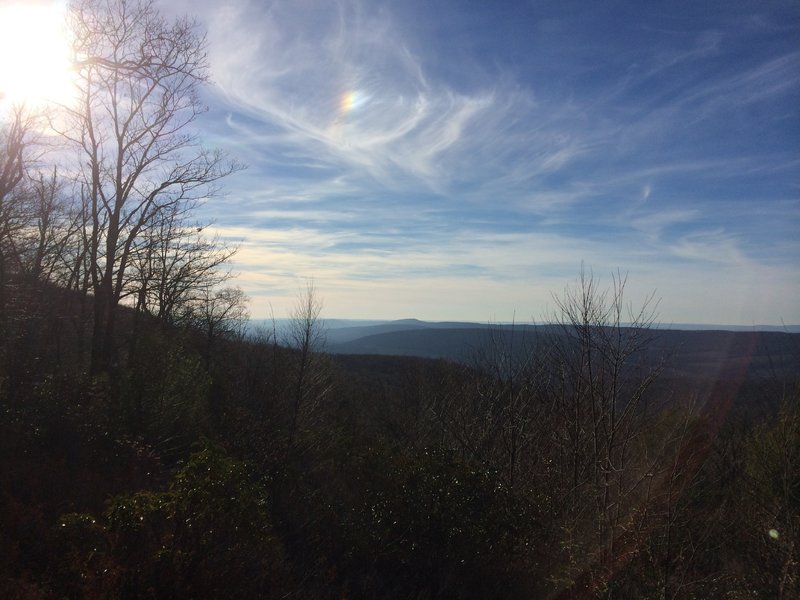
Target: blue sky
(448,159)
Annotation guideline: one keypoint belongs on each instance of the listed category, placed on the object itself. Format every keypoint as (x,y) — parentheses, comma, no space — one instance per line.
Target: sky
(460,160)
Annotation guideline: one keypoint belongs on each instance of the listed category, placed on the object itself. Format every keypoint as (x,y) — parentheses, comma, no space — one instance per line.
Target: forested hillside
(150,448)
(200,467)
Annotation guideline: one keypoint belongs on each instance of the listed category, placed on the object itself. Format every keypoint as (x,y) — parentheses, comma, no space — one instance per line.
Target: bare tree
(599,393)
(15,141)
(54,232)
(139,78)
(310,376)
(491,419)
(222,313)
(218,314)
(174,267)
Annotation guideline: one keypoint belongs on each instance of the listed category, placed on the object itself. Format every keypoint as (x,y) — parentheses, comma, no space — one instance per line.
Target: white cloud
(385,181)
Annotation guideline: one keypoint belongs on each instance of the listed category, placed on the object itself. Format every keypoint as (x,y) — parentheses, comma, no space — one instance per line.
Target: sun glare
(35,66)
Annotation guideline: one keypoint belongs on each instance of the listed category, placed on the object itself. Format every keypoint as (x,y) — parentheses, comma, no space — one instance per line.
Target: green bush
(208,535)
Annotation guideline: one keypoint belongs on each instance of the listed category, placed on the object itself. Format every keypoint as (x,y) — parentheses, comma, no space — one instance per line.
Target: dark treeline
(245,468)
(148,448)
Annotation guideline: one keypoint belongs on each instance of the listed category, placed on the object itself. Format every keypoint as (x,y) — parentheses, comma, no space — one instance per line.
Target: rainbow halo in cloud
(351,101)
(480,153)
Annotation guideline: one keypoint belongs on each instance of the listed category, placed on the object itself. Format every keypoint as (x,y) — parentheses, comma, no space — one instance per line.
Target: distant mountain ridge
(689,352)
(412,323)
(692,350)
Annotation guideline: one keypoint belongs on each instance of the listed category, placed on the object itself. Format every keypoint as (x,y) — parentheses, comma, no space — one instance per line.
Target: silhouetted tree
(599,422)
(219,313)
(174,268)
(139,78)
(16,138)
(310,375)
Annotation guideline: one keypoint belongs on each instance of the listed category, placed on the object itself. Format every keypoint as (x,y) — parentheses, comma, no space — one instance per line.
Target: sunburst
(35,59)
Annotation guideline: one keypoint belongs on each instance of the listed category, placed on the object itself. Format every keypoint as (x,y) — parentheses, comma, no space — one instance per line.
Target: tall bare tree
(310,373)
(15,140)
(139,80)
(599,393)
(53,232)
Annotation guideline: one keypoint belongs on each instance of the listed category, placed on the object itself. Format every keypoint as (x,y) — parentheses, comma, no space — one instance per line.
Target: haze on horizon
(460,160)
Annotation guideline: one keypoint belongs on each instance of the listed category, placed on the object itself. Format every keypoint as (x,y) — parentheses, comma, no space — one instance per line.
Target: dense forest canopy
(151,447)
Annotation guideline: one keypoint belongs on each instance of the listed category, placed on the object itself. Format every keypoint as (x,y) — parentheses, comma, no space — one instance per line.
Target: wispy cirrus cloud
(356,99)
(441,143)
